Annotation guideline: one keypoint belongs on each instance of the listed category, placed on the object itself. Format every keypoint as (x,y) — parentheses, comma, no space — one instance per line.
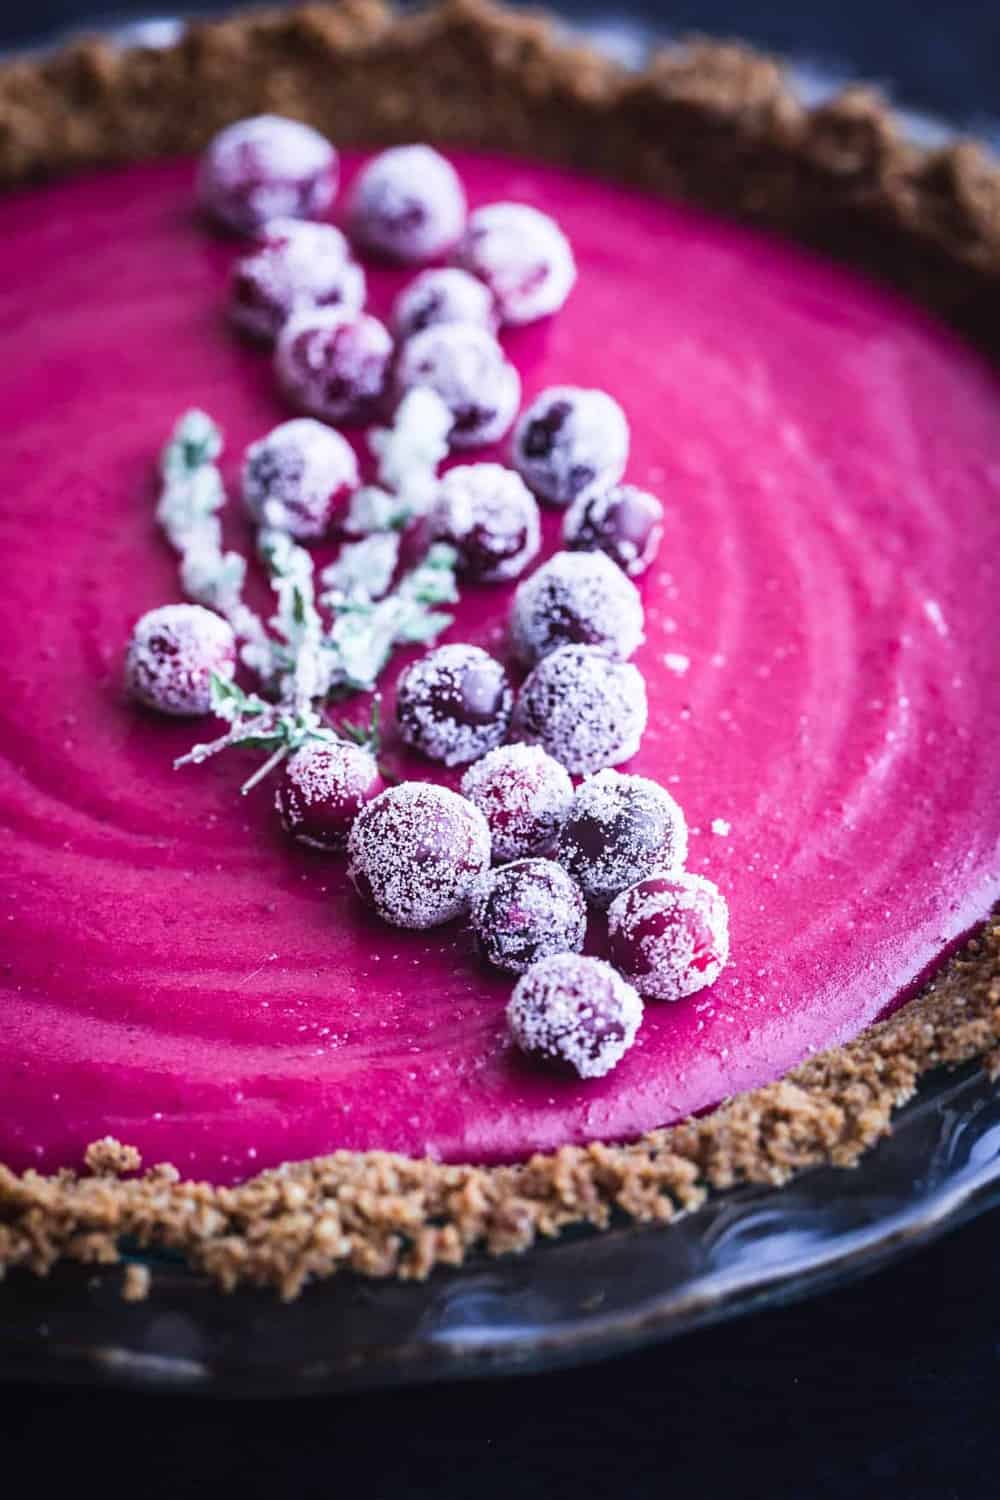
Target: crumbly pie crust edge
(712,123)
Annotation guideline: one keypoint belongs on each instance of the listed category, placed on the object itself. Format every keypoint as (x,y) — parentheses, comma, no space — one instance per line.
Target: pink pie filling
(822,656)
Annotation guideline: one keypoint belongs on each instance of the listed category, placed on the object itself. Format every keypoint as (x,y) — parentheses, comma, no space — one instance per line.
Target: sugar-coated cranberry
(524,796)
(618,829)
(295,267)
(173,654)
(576,1012)
(297,477)
(454,704)
(576,598)
(334,365)
(583,707)
(490,518)
(265,168)
(523,257)
(669,934)
(445,295)
(526,911)
(467,368)
(624,522)
(571,442)
(417,852)
(322,789)
(407,205)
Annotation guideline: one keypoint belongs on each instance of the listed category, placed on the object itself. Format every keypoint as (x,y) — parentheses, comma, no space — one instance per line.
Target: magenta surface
(822,657)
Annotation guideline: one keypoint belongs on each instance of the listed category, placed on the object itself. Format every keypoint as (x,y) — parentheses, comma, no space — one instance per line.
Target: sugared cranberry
(526,911)
(265,168)
(296,266)
(417,852)
(333,365)
(407,205)
(523,257)
(618,829)
(574,1011)
(454,704)
(490,518)
(297,477)
(467,368)
(625,523)
(583,707)
(571,442)
(576,598)
(322,789)
(670,934)
(447,295)
(173,654)
(524,796)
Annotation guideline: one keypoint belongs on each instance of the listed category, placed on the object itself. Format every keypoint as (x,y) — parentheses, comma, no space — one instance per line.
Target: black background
(888,1388)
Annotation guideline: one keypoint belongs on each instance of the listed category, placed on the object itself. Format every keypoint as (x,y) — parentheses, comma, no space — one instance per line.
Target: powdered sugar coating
(467,368)
(173,654)
(334,365)
(619,829)
(407,204)
(442,295)
(266,167)
(526,911)
(523,257)
(295,267)
(454,704)
(417,852)
(625,523)
(576,598)
(583,707)
(575,1011)
(524,796)
(490,517)
(297,477)
(670,934)
(571,442)
(322,789)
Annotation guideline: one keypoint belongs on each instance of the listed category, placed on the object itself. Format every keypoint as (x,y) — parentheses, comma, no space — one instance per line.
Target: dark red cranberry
(576,598)
(576,1012)
(334,366)
(467,368)
(265,168)
(417,852)
(669,934)
(524,796)
(445,295)
(490,518)
(295,267)
(173,654)
(570,443)
(618,829)
(526,911)
(297,477)
(585,709)
(407,204)
(322,789)
(523,257)
(454,704)
(624,522)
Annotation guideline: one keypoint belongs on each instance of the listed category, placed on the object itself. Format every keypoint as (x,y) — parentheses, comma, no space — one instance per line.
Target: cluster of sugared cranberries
(322,789)
(454,704)
(618,829)
(490,518)
(623,522)
(526,911)
(574,1011)
(297,477)
(584,708)
(173,654)
(445,295)
(466,367)
(524,796)
(334,365)
(416,854)
(569,443)
(669,934)
(522,256)
(407,205)
(578,599)
(265,168)
(296,266)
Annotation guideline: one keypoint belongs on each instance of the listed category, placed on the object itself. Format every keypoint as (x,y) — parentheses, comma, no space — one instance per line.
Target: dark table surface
(887,1388)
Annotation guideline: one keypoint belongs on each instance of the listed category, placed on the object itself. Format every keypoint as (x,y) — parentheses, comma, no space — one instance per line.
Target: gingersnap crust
(714,124)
